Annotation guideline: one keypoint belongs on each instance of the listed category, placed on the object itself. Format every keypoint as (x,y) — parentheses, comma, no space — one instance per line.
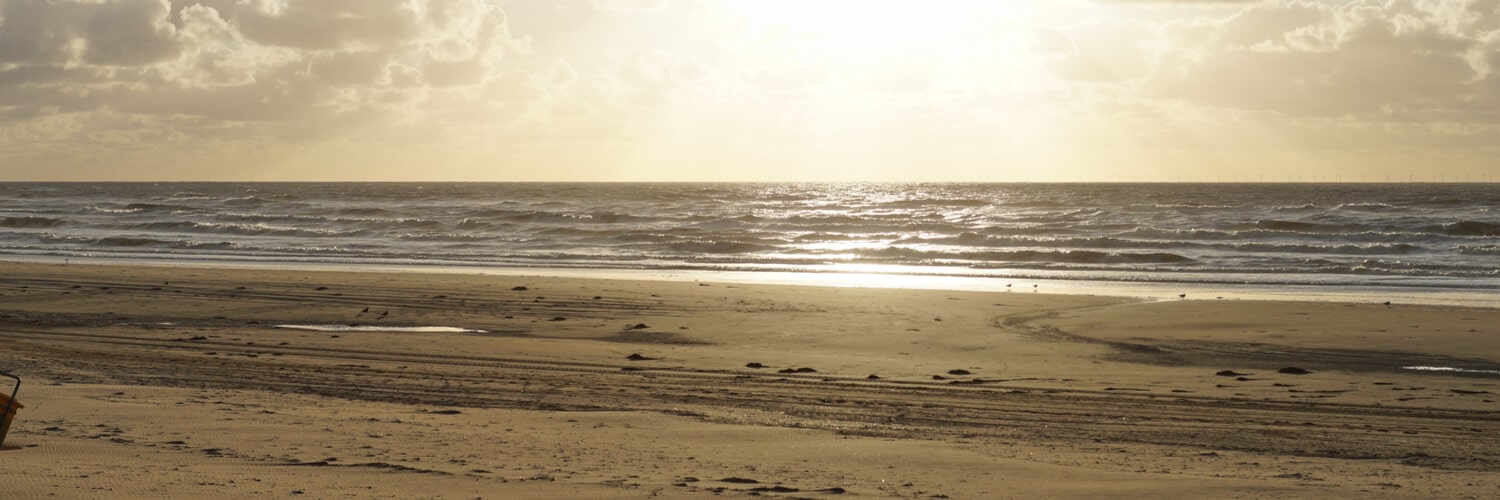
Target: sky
(750,90)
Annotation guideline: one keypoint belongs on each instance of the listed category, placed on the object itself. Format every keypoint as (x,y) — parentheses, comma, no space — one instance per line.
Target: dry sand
(176,382)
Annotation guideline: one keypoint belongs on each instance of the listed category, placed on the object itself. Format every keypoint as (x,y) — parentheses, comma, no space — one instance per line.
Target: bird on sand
(362,313)
(382,315)
(1181,295)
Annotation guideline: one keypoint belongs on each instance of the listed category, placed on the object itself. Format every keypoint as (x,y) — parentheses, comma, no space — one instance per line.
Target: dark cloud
(327,24)
(120,32)
(252,60)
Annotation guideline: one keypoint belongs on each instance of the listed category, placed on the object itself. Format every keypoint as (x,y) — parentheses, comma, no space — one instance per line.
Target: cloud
(1097,52)
(1177,2)
(117,33)
(1306,58)
(258,60)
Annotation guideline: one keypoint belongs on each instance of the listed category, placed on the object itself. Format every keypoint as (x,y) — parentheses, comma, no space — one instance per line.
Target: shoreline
(177,381)
(1145,290)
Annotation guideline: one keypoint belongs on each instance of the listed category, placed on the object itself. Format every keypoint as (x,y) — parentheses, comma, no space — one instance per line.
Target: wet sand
(157,381)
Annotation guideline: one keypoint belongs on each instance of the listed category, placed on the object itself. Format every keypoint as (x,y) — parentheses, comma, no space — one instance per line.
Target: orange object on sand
(9,413)
(8,407)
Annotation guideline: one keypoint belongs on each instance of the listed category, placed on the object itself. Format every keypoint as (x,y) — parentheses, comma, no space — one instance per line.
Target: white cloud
(1307,58)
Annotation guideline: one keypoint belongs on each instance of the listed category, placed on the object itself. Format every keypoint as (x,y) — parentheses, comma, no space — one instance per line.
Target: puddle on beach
(1450,369)
(409,329)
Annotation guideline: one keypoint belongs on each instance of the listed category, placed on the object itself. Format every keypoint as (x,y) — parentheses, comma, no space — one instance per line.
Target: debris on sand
(1292,370)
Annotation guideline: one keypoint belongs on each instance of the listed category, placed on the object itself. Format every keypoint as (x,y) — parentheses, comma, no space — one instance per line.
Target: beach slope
(159,381)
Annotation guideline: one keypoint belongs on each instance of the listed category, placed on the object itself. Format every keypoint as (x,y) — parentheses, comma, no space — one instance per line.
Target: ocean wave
(1301,227)
(363,211)
(1152,233)
(112,211)
(443,237)
(247,201)
(1479,250)
(124,241)
(1366,207)
(1345,249)
(158,207)
(205,245)
(1419,231)
(257,229)
(593,218)
(934,202)
(30,222)
(184,195)
(719,247)
(1468,228)
(1031,256)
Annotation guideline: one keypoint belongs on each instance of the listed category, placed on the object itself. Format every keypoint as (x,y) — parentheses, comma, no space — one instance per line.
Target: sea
(1419,242)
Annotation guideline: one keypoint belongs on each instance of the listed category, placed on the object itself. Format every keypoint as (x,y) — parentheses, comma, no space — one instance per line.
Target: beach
(161,381)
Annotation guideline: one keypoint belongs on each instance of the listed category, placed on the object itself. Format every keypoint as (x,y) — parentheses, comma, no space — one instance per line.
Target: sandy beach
(152,382)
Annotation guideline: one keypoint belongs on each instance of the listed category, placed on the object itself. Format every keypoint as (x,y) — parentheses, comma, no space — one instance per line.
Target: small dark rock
(939,377)
(638,357)
(738,480)
(958,372)
(1292,370)
(775,489)
(1230,373)
(321,288)
(873,377)
(638,326)
(559,318)
(754,365)
(518,289)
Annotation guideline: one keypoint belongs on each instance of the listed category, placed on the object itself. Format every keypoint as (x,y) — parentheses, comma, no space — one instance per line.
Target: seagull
(362,313)
(382,315)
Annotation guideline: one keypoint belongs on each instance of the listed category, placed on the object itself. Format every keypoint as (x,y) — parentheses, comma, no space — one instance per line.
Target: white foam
(368,328)
(1450,369)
